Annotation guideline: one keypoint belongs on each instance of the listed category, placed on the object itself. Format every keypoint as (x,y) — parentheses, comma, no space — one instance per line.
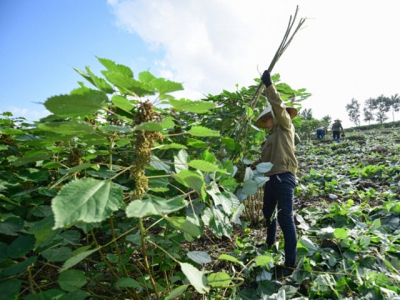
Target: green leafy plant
(106,195)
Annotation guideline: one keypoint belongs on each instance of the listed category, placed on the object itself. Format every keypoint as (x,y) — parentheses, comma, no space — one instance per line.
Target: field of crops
(112,197)
(348,220)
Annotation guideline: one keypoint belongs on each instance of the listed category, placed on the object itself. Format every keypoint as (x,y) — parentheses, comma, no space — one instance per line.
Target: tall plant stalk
(287,38)
(244,120)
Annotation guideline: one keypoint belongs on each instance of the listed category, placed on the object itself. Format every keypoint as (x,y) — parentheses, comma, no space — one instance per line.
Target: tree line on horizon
(374,109)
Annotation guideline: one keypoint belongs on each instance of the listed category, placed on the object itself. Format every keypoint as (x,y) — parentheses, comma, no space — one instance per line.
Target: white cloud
(346,50)
(28,114)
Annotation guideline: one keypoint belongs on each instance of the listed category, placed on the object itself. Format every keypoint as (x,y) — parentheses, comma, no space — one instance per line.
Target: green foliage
(110,175)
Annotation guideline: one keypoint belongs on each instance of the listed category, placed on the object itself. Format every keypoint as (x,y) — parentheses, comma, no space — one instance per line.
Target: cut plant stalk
(282,47)
(287,38)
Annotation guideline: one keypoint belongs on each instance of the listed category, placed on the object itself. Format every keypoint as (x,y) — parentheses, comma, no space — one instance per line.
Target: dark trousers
(278,193)
(320,134)
(336,135)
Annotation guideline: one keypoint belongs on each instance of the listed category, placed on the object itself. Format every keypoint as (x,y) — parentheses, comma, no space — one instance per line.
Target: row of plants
(388,125)
(348,221)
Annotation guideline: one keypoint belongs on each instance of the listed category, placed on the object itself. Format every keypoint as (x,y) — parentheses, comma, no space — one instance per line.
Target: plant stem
(144,252)
(116,246)
(31,280)
(103,258)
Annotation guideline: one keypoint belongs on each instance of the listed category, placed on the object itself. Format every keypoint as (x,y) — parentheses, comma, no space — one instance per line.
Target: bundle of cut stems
(287,38)
(282,47)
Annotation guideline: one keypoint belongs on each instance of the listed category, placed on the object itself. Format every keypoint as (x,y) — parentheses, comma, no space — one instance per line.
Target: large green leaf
(185,225)
(149,126)
(75,295)
(77,258)
(112,66)
(195,277)
(220,198)
(12,226)
(67,128)
(229,142)
(208,156)
(237,212)
(81,167)
(10,289)
(205,166)
(198,107)
(167,123)
(20,267)
(196,143)
(219,279)
(43,231)
(202,131)
(20,246)
(191,180)
(307,243)
(76,105)
(127,282)
(159,184)
(228,184)
(57,254)
(230,258)
(264,260)
(11,131)
(172,146)
(87,200)
(218,222)
(122,103)
(264,167)
(154,206)
(32,156)
(200,257)
(158,164)
(177,292)
(33,174)
(84,75)
(340,233)
(250,187)
(376,224)
(160,84)
(115,128)
(180,161)
(71,280)
(100,83)
(128,85)
(52,294)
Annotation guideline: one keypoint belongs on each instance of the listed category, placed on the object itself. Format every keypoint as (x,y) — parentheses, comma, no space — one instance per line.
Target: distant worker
(321,133)
(336,129)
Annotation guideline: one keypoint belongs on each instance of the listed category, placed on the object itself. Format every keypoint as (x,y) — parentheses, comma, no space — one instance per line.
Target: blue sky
(347,49)
(41,41)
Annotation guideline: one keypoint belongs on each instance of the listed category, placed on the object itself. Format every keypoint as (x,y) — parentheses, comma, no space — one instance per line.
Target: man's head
(269,122)
(262,120)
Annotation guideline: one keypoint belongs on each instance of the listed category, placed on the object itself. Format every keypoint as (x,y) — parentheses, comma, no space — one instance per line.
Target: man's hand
(266,78)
